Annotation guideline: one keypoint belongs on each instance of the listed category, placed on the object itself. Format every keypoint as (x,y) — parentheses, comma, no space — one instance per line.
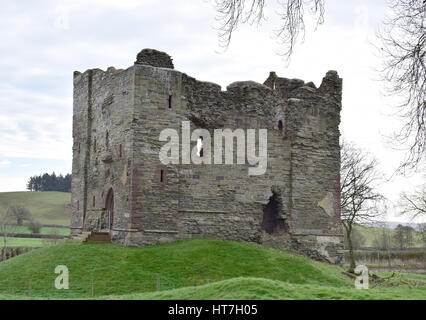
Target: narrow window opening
(107,140)
(121,151)
(78,148)
(94,201)
(161,175)
(280,125)
(200,147)
(94,145)
(78,205)
(170,101)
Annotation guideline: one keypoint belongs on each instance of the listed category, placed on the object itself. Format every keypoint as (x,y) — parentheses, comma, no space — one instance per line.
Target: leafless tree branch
(413,205)
(403,46)
(232,13)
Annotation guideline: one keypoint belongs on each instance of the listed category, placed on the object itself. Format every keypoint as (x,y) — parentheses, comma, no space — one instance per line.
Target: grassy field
(370,232)
(46,207)
(187,269)
(43,230)
(24,242)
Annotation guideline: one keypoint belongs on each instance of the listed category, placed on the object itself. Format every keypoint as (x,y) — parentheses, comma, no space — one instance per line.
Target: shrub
(34,226)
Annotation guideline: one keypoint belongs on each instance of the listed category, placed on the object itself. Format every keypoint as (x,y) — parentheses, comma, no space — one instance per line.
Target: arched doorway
(109,211)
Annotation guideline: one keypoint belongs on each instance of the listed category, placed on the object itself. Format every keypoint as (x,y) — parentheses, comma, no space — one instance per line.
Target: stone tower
(119,183)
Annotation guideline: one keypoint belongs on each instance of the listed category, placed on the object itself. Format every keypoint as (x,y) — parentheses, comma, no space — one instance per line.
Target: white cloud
(4,163)
(43,42)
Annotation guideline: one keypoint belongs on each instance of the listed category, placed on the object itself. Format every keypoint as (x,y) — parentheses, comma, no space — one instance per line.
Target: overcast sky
(42,42)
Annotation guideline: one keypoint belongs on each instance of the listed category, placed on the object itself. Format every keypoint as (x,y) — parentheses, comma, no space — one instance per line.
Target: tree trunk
(352,264)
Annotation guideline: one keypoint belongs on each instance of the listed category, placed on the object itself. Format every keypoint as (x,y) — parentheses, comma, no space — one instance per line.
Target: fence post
(389,260)
(158,284)
(29,288)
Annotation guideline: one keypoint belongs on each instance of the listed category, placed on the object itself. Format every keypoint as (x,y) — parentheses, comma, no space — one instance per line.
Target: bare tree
(403,44)
(20,213)
(7,226)
(232,13)
(422,230)
(360,201)
(404,236)
(414,204)
(382,238)
(357,239)
(398,236)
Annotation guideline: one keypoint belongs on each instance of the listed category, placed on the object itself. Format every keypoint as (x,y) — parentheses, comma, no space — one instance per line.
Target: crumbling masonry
(120,185)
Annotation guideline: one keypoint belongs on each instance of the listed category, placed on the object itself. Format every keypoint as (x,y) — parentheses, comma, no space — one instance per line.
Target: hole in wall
(271,213)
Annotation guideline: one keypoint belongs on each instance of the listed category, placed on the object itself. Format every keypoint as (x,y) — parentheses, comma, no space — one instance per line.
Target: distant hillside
(370,233)
(46,207)
(394,224)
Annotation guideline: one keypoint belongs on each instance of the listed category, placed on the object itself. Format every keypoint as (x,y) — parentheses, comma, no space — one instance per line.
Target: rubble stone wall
(295,205)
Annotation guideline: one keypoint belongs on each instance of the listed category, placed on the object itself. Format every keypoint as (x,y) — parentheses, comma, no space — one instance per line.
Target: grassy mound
(186,269)
(114,269)
(266,289)
(46,207)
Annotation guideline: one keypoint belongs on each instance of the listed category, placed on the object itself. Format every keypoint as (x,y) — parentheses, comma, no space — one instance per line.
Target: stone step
(99,237)
(81,237)
(99,233)
(95,236)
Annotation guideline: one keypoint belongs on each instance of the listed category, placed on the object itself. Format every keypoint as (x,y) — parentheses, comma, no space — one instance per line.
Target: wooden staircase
(94,236)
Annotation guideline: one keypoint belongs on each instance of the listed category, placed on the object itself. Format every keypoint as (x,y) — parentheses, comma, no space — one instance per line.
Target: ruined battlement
(120,184)
(155,58)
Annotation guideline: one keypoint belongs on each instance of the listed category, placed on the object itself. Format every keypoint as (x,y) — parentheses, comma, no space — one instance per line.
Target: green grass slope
(117,270)
(46,207)
(186,269)
(266,289)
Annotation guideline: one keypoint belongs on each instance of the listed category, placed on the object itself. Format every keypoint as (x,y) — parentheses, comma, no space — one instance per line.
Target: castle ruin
(120,185)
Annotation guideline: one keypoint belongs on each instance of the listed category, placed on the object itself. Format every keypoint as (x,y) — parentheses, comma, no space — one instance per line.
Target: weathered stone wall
(102,153)
(294,205)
